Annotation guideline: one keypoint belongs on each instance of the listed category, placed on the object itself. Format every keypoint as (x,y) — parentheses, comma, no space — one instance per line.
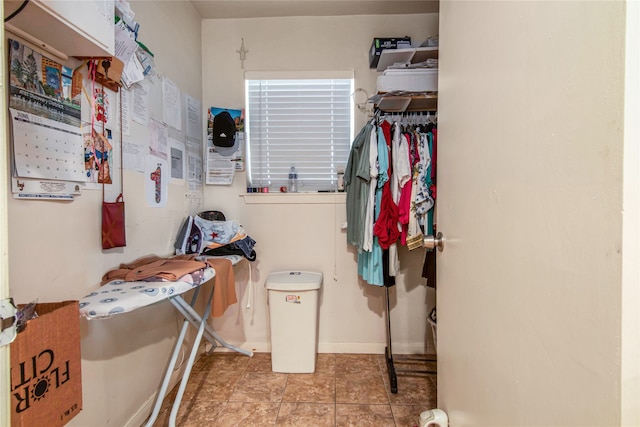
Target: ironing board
(118,297)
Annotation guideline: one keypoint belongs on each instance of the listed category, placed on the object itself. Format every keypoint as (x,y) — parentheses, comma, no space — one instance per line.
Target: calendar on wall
(46,149)
(45,110)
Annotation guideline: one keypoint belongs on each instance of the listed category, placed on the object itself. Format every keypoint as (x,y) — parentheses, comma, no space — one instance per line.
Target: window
(303,122)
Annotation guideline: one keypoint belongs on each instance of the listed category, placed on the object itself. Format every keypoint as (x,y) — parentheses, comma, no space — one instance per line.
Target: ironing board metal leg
(167,376)
(190,362)
(192,317)
(172,362)
(182,306)
(230,346)
(212,335)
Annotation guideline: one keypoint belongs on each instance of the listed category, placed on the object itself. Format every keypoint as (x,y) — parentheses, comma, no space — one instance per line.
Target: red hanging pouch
(113,224)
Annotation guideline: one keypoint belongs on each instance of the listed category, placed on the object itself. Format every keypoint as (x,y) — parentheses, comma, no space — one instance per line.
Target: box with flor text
(46,382)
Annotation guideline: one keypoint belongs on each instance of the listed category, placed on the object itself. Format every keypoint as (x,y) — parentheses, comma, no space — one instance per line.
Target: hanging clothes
(414,232)
(429,268)
(370,265)
(432,182)
(429,265)
(408,195)
(356,181)
(390,185)
(423,200)
(400,176)
(371,200)
(386,225)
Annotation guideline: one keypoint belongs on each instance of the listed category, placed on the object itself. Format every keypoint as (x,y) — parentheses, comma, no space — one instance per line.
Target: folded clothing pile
(210,233)
(185,268)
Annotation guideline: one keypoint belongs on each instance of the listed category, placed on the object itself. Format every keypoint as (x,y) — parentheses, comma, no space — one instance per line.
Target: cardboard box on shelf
(381,43)
(46,380)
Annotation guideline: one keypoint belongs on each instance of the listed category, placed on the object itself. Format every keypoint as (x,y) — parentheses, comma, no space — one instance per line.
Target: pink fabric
(404,204)
(404,211)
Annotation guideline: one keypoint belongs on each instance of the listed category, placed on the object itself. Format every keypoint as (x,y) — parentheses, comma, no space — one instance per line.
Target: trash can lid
(293,281)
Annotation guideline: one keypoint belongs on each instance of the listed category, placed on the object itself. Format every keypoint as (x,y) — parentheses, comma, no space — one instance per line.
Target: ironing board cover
(118,296)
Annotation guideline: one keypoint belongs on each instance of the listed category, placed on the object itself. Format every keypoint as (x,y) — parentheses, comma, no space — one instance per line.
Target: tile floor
(230,389)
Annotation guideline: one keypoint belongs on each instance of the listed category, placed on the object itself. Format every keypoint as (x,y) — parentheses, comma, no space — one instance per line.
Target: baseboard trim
(361,348)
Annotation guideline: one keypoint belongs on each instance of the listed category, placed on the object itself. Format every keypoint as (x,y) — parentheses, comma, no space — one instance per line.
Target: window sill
(294,198)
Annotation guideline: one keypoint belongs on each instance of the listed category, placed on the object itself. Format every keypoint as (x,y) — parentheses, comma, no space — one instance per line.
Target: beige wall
(55,251)
(304,233)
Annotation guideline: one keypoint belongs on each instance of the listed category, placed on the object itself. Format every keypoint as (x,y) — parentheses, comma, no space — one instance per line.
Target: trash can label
(295,299)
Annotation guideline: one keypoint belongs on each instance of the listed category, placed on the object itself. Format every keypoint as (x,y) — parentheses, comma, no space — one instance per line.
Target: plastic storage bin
(293,312)
(411,80)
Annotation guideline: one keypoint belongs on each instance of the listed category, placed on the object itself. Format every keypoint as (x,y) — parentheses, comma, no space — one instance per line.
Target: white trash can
(293,312)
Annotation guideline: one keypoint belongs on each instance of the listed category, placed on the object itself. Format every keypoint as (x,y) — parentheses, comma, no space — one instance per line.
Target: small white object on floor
(434,417)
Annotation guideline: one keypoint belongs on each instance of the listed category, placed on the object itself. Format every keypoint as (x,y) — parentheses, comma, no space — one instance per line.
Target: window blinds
(306,123)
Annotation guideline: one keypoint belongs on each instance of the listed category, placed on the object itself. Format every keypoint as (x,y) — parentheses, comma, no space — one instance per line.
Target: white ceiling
(220,9)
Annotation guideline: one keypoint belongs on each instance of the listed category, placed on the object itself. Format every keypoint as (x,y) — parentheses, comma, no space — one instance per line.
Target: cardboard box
(46,381)
(381,43)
